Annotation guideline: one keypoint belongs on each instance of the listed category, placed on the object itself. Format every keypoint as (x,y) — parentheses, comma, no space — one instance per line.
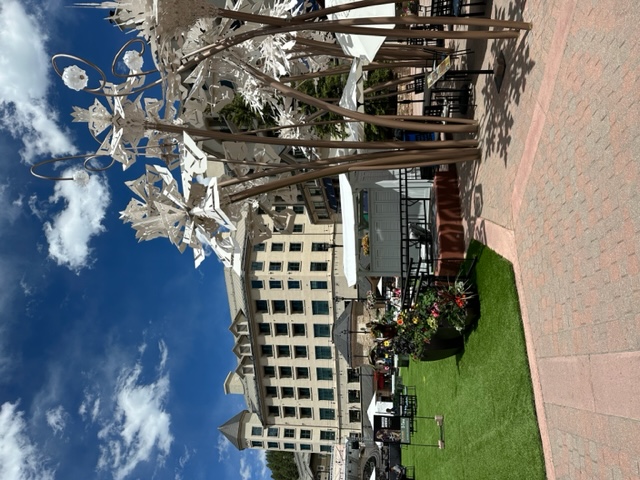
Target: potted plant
(436,321)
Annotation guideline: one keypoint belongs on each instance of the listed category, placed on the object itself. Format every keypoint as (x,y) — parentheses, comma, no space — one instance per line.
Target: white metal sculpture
(199,51)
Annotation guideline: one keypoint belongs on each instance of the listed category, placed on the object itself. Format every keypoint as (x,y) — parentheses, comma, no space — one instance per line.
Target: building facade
(301,393)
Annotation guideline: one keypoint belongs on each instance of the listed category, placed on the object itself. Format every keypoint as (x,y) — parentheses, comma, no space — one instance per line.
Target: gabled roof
(341,333)
(232,428)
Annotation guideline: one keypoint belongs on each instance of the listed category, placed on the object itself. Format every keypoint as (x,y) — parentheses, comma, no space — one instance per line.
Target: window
(305,446)
(257,266)
(272,432)
(300,351)
(286,392)
(269,371)
(295,247)
(298,209)
(256,431)
(277,247)
(267,350)
(353,375)
(327,435)
(318,285)
(257,284)
(321,330)
(325,448)
(319,266)
(285,372)
(320,307)
(275,266)
(289,433)
(354,396)
(328,414)
(289,446)
(298,228)
(256,444)
(275,283)
(264,328)
(282,329)
(284,351)
(299,329)
(319,247)
(289,411)
(324,373)
(323,353)
(354,416)
(304,393)
(296,306)
(305,434)
(274,410)
(302,372)
(293,266)
(259,247)
(273,445)
(293,284)
(279,306)
(271,391)
(262,306)
(325,394)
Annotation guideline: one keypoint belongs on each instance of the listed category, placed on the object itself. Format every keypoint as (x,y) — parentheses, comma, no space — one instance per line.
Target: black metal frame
(410,227)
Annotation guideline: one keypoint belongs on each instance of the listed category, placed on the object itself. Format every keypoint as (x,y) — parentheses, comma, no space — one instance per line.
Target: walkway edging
(502,241)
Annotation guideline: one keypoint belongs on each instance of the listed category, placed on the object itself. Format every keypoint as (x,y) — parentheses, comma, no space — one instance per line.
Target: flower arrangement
(408,8)
(435,307)
(364,243)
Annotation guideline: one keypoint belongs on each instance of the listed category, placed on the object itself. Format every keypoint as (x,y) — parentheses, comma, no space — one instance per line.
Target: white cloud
(185,457)
(57,419)
(246,472)
(223,448)
(19,457)
(72,229)
(139,427)
(164,354)
(11,209)
(24,83)
(89,402)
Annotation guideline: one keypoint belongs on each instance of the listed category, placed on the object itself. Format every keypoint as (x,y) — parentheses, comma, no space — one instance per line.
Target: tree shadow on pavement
(498,118)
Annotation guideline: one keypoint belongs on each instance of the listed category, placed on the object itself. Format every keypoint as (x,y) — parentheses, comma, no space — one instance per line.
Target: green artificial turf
(485,394)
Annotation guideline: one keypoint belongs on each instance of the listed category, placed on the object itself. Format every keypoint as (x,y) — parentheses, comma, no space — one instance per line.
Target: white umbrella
(362,45)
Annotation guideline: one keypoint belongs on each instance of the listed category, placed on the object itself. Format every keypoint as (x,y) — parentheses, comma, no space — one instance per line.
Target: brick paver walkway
(557,194)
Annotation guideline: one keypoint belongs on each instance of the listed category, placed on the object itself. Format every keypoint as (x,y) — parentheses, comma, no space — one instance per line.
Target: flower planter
(446,330)
(441,348)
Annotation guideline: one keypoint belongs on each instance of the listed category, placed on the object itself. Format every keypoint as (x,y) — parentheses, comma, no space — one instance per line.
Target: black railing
(416,227)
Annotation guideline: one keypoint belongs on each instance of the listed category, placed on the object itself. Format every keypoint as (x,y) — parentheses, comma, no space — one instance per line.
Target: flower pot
(441,348)
(446,330)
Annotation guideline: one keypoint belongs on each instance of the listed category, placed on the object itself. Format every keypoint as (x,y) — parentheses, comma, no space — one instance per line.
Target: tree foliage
(282,465)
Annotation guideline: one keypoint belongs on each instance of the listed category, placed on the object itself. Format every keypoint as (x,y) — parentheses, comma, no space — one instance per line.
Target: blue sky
(112,352)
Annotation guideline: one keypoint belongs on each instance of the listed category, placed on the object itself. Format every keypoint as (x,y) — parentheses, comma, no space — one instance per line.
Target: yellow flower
(416,319)
(386,343)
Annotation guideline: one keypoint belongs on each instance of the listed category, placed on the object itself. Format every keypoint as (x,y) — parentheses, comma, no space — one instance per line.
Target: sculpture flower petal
(133,60)
(75,78)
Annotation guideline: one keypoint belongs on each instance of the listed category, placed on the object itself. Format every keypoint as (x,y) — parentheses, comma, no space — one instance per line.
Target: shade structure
(373,474)
(362,45)
(377,408)
(349,251)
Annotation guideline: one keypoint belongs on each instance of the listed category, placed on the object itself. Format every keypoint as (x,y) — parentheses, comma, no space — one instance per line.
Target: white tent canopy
(353,99)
